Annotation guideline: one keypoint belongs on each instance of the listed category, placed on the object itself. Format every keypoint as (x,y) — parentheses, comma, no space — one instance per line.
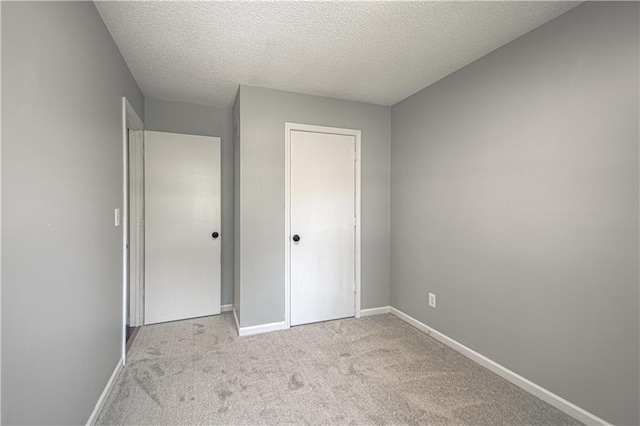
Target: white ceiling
(376,52)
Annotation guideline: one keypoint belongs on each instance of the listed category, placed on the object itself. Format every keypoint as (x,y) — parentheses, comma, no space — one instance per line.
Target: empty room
(327,213)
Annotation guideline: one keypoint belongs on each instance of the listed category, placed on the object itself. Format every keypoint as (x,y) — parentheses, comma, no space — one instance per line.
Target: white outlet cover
(432,300)
(116,217)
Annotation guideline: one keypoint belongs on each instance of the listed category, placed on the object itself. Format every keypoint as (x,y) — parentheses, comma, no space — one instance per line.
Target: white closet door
(323,217)
(182,218)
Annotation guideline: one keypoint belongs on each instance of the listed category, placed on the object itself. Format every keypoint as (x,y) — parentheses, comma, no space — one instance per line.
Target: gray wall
(177,117)
(515,200)
(62,83)
(263,114)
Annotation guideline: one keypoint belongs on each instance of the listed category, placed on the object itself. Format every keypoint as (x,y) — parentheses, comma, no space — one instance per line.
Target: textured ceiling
(376,52)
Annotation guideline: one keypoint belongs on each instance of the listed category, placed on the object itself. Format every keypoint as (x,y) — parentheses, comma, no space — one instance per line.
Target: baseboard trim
(375,311)
(262,328)
(226,308)
(549,397)
(105,393)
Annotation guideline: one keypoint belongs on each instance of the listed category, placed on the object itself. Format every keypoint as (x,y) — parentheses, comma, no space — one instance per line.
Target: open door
(182,226)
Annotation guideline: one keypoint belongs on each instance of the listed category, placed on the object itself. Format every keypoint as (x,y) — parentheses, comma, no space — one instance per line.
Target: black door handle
(215,235)
(296,238)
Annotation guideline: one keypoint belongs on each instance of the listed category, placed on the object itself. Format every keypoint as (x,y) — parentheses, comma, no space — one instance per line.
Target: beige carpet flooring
(368,371)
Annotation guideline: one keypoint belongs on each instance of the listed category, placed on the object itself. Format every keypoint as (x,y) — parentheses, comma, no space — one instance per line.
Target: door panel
(323,216)
(136,228)
(182,209)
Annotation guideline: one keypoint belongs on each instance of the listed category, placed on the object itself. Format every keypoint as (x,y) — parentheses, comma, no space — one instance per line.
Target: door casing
(130,121)
(289,127)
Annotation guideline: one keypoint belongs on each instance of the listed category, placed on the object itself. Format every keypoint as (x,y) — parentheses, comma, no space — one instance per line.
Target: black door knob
(215,235)
(296,238)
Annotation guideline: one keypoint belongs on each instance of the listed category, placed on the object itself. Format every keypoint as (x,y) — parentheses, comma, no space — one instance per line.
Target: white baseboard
(262,328)
(375,311)
(534,389)
(105,393)
(226,308)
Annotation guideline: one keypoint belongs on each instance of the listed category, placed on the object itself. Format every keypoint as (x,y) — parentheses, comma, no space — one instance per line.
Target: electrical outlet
(432,300)
(116,217)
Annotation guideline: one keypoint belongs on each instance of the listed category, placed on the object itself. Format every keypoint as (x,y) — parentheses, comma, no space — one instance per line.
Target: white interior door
(136,228)
(323,218)
(182,241)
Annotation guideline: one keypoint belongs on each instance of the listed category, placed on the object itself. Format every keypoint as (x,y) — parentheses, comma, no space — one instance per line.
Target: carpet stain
(156,369)
(223,396)
(145,385)
(296,382)
(154,351)
(123,394)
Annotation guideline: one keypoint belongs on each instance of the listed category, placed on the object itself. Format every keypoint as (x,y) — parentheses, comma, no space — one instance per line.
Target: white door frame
(289,127)
(130,121)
